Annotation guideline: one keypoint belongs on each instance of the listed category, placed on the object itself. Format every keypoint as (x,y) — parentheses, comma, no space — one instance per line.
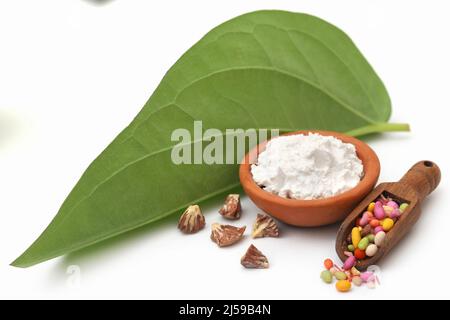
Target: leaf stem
(379,127)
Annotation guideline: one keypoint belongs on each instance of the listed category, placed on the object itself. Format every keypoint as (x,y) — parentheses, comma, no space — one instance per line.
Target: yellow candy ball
(356,236)
(371,207)
(343,285)
(387,225)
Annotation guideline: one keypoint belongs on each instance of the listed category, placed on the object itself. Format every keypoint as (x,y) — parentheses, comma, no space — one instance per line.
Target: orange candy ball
(359,254)
(374,223)
(328,263)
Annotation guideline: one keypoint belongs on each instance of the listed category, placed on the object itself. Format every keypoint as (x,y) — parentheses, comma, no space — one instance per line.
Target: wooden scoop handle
(423,178)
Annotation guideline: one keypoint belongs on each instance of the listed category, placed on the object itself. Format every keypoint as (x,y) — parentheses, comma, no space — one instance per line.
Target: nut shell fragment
(192,220)
(264,226)
(231,209)
(226,235)
(254,259)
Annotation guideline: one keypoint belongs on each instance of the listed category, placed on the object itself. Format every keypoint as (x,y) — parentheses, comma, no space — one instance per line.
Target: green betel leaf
(265,69)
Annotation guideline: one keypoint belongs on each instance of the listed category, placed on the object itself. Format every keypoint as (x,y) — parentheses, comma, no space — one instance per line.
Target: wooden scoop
(415,185)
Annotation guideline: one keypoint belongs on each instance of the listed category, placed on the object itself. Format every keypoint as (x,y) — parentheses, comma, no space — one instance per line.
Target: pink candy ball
(378,229)
(379,211)
(364,219)
(395,214)
(349,263)
(392,204)
(366,276)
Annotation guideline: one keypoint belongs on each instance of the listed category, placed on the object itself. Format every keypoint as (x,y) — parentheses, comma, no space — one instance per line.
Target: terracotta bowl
(312,213)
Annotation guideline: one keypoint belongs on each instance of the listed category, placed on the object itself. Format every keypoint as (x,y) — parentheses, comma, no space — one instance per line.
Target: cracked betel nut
(231,209)
(264,226)
(225,235)
(254,259)
(192,220)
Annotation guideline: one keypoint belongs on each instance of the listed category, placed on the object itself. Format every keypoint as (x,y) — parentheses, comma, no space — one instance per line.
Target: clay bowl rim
(371,169)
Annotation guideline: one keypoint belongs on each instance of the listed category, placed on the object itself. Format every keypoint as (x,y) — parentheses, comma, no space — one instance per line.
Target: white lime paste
(307,167)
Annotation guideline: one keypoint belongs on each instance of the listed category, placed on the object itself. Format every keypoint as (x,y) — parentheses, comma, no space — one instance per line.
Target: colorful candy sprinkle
(378,210)
(378,229)
(379,238)
(392,204)
(348,253)
(347,276)
(366,231)
(374,223)
(371,227)
(355,272)
(403,207)
(371,250)
(388,210)
(388,223)
(349,263)
(367,276)
(326,276)
(363,243)
(360,254)
(356,236)
(364,219)
(395,214)
(343,285)
(368,234)
(340,275)
(357,281)
(328,264)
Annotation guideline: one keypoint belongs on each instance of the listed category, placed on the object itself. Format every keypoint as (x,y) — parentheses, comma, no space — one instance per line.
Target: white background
(73,73)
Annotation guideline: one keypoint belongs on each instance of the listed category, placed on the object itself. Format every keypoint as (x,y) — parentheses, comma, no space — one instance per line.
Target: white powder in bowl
(307,167)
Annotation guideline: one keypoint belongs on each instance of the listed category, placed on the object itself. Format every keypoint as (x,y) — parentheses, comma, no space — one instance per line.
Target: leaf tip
(19,263)
(24,260)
